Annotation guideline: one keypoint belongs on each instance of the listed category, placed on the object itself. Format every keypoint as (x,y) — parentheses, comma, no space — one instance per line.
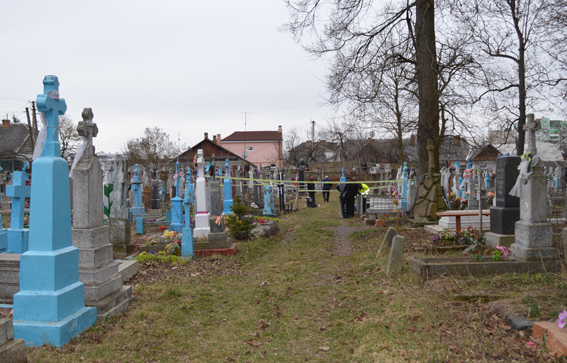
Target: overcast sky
(188,67)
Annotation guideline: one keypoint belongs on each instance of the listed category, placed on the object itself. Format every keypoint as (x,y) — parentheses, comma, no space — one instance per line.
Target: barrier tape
(273,181)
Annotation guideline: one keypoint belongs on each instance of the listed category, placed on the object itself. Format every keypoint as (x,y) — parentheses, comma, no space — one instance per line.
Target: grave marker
(187,231)
(176,204)
(49,308)
(202,215)
(18,236)
(227,203)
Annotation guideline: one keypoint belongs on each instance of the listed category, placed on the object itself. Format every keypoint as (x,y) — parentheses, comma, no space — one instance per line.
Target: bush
(239,224)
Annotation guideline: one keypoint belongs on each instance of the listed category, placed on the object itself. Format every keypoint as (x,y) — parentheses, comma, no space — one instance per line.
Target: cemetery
(223,260)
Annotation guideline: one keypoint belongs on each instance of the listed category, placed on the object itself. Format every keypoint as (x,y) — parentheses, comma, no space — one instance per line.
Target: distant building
(262,148)
(15,145)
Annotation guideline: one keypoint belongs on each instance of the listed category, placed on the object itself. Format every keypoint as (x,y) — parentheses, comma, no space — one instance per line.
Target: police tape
(274,181)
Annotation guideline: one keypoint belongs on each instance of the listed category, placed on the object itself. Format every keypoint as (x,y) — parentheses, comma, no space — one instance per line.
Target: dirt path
(343,246)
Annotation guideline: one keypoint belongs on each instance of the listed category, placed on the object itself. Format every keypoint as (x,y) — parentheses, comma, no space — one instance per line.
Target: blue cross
(53,108)
(19,191)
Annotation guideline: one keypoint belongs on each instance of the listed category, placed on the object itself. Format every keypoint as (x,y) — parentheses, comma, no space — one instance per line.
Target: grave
(49,308)
(119,223)
(187,249)
(533,235)
(227,202)
(506,213)
(177,204)
(202,215)
(97,270)
(396,259)
(155,201)
(18,235)
(269,209)
(138,211)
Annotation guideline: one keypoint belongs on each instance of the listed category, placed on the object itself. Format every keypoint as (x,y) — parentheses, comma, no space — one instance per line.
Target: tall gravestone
(227,202)
(177,204)
(18,236)
(506,213)
(50,308)
(156,185)
(187,231)
(97,270)
(533,235)
(202,215)
(138,210)
(119,223)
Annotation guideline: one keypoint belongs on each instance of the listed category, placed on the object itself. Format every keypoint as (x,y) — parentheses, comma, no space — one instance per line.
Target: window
(249,148)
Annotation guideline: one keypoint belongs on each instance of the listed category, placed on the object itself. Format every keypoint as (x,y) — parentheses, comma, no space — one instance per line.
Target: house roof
(13,138)
(238,136)
(209,148)
(547,151)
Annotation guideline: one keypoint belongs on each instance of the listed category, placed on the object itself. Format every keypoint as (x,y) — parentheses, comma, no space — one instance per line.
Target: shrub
(239,224)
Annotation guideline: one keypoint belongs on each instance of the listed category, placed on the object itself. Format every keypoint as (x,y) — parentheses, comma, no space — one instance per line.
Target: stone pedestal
(202,216)
(533,242)
(120,236)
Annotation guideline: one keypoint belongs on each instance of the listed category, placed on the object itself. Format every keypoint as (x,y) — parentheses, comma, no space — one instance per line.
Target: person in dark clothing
(342,188)
(326,187)
(311,189)
(352,190)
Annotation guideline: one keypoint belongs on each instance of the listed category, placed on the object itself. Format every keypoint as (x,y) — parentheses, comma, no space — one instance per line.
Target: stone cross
(88,130)
(53,106)
(531,127)
(19,191)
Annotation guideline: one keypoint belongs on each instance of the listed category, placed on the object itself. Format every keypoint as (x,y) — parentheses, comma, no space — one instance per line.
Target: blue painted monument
(138,211)
(343,178)
(50,306)
(18,235)
(3,238)
(268,201)
(187,231)
(405,188)
(227,203)
(176,204)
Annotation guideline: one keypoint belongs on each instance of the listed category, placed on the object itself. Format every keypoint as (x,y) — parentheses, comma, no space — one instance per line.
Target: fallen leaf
(254,343)
(324,349)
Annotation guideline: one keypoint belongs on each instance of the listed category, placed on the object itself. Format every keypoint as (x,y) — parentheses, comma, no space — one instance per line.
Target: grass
(295,298)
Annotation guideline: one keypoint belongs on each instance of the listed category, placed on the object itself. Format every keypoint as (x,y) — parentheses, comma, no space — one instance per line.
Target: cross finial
(52,106)
(531,127)
(88,130)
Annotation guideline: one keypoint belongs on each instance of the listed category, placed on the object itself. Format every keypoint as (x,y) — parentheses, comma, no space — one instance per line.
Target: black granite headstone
(155,202)
(504,215)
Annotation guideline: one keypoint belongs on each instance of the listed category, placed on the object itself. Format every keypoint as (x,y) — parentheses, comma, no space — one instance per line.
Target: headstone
(49,308)
(227,203)
(202,215)
(119,223)
(137,209)
(472,201)
(176,204)
(302,173)
(507,210)
(155,201)
(533,235)
(269,208)
(97,270)
(187,231)
(386,244)
(18,235)
(396,259)
(216,197)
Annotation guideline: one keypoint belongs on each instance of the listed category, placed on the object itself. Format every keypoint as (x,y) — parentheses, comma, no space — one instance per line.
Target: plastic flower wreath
(561,320)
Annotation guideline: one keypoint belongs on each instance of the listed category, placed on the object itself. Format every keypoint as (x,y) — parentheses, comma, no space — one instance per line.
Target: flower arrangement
(166,238)
(501,253)
(162,228)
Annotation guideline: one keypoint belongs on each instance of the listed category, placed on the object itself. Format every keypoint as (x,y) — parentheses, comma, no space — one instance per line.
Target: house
(15,146)
(262,148)
(318,152)
(212,149)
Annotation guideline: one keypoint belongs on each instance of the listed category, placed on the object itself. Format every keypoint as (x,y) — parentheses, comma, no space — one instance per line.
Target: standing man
(352,190)
(326,187)
(342,198)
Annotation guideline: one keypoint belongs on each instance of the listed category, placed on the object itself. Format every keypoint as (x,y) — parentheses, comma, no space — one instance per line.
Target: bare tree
(153,151)
(514,38)
(68,137)
(351,31)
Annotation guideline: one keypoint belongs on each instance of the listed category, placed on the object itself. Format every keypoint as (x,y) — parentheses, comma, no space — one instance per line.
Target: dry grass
(312,294)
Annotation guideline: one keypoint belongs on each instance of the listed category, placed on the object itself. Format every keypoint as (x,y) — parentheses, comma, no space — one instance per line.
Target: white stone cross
(88,130)
(531,127)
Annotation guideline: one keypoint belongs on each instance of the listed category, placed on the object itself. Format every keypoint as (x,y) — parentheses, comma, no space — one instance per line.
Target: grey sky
(185,66)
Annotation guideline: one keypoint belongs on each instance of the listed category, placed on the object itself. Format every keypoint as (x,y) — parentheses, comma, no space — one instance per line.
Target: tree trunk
(427,80)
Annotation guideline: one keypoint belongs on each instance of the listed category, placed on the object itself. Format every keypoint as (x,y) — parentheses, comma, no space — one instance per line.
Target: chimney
(206,135)
(5,123)
(412,140)
(218,139)
(458,140)
(280,129)
(308,143)
(215,139)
